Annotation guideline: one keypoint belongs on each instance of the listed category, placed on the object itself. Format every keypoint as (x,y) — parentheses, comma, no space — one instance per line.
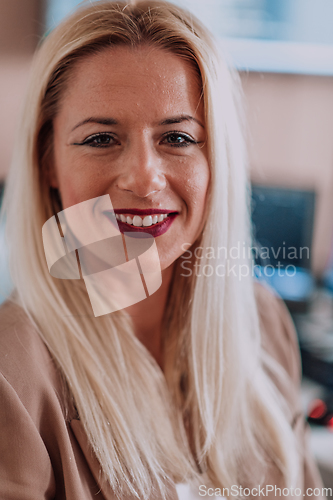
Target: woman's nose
(141,171)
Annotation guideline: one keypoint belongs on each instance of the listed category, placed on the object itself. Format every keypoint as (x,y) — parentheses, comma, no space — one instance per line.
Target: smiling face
(131,125)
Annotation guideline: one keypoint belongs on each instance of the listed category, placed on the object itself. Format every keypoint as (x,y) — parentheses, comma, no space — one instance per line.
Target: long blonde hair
(214,415)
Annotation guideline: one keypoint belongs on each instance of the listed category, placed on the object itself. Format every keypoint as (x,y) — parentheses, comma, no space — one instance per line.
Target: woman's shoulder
(37,444)
(279,340)
(26,365)
(20,343)
(278,334)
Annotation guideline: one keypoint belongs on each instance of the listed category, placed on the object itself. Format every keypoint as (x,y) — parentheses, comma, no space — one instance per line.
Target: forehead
(146,80)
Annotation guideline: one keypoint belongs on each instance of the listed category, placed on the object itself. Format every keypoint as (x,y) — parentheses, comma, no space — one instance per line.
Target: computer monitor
(283,226)
(282,240)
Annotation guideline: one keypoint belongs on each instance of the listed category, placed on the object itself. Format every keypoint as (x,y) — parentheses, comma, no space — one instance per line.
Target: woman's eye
(99,141)
(178,139)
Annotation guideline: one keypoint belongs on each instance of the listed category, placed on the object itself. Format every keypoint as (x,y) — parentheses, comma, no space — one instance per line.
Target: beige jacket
(44,452)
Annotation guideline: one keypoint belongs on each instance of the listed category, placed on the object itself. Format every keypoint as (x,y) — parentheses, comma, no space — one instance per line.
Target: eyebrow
(112,121)
(180,119)
(102,121)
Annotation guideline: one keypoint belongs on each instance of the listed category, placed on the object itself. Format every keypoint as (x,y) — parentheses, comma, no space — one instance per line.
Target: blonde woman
(193,391)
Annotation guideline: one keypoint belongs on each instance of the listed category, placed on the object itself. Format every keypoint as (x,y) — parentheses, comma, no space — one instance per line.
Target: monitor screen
(282,226)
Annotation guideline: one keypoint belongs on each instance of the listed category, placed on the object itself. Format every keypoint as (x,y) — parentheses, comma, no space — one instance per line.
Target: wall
(20,28)
(290,120)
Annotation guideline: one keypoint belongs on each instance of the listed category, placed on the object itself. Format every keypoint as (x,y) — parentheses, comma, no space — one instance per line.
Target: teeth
(147,221)
(137,221)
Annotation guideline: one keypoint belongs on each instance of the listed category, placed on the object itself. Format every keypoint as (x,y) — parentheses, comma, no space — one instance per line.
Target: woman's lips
(156,229)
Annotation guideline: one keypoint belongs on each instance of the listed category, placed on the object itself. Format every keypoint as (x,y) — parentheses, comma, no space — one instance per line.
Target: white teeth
(147,221)
(137,221)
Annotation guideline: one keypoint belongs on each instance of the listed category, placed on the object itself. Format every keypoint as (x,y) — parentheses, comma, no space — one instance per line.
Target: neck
(147,317)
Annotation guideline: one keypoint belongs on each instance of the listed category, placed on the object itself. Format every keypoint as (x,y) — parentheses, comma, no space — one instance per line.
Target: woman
(130,102)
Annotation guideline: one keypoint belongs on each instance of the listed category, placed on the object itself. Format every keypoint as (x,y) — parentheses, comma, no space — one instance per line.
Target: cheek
(69,195)
(196,187)
(71,189)
(75,182)
(75,178)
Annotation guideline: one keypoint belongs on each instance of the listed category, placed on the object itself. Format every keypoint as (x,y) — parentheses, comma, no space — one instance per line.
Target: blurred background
(283,50)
